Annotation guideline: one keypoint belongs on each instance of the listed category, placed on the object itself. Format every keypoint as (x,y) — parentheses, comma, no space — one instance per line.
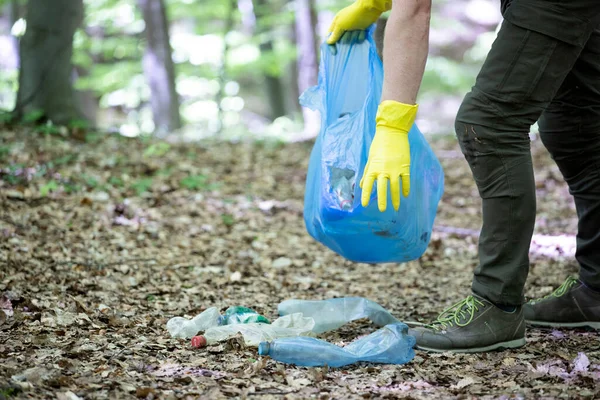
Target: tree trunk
(273,84)
(229,24)
(158,67)
(306,39)
(245,8)
(45,54)
(86,99)
(307,65)
(8,17)
(293,76)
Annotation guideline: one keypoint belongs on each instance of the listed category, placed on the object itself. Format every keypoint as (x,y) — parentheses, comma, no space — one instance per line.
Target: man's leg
(521,75)
(524,70)
(570,130)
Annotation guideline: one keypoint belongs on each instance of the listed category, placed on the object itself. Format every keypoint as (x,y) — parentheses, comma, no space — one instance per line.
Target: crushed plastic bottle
(342,184)
(241,315)
(184,328)
(333,313)
(389,345)
(254,333)
(180,327)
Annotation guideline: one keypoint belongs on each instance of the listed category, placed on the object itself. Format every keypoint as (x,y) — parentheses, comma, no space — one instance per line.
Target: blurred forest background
(153,163)
(226,68)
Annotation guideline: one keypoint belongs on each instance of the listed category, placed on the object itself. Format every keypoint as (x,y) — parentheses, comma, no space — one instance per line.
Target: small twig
(112,264)
(276,392)
(116,354)
(33,201)
(102,265)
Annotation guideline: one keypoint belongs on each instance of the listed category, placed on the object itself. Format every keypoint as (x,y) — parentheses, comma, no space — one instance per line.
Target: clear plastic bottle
(389,345)
(343,187)
(333,313)
(254,333)
(180,327)
(343,191)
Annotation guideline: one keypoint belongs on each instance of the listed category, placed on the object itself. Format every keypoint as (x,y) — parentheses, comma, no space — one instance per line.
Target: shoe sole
(513,344)
(587,324)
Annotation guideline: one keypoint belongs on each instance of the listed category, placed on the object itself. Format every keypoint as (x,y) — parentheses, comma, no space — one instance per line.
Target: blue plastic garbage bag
(347,97)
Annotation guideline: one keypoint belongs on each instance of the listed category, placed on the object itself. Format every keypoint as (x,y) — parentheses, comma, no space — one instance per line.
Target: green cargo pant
(544,65)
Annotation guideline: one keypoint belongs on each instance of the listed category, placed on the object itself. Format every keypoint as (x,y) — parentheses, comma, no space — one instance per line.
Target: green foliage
(443,75)
(92,137)
(90,181)
(194,182)
(49,129)
(8,90)
(71,187)
(227,219)
(9,392)
(6,117)
(109,51)
(48,187)
(33,116)
(65,160)
(125,77)
(141,186)
(79,124)
(12,175)
(157,149)
(116,181)
(213,12)
(4,151)
(216,46)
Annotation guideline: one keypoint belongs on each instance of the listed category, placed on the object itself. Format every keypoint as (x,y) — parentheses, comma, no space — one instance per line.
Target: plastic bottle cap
(263,348)
(199,341)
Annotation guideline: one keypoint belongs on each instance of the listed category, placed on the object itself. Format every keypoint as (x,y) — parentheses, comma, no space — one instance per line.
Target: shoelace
(562,289)
(457,313)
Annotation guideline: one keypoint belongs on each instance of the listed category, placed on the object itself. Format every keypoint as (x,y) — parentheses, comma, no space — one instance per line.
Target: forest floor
(102,241)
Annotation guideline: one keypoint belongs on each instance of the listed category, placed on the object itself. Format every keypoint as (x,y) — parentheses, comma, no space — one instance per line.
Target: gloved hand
(389,154)
(357,17)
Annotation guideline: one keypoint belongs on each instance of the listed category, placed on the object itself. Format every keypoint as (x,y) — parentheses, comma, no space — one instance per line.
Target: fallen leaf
(236,276)
(33,375)
(298,383)
(509,361)
(235,342)
(6,306)
(282,262)
(143,392)
(464,382)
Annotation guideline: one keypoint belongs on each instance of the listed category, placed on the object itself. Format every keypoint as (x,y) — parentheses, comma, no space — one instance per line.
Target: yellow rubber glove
(389,154)
(357,17)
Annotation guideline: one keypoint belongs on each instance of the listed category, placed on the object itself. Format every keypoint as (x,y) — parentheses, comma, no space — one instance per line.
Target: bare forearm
(405,49)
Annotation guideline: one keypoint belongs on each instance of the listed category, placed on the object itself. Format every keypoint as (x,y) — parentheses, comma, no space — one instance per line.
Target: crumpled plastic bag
(334,313)
(347,96)
(389,345)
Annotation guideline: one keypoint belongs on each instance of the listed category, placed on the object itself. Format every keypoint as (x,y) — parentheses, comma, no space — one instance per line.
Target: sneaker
(572,305)
(472,325)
